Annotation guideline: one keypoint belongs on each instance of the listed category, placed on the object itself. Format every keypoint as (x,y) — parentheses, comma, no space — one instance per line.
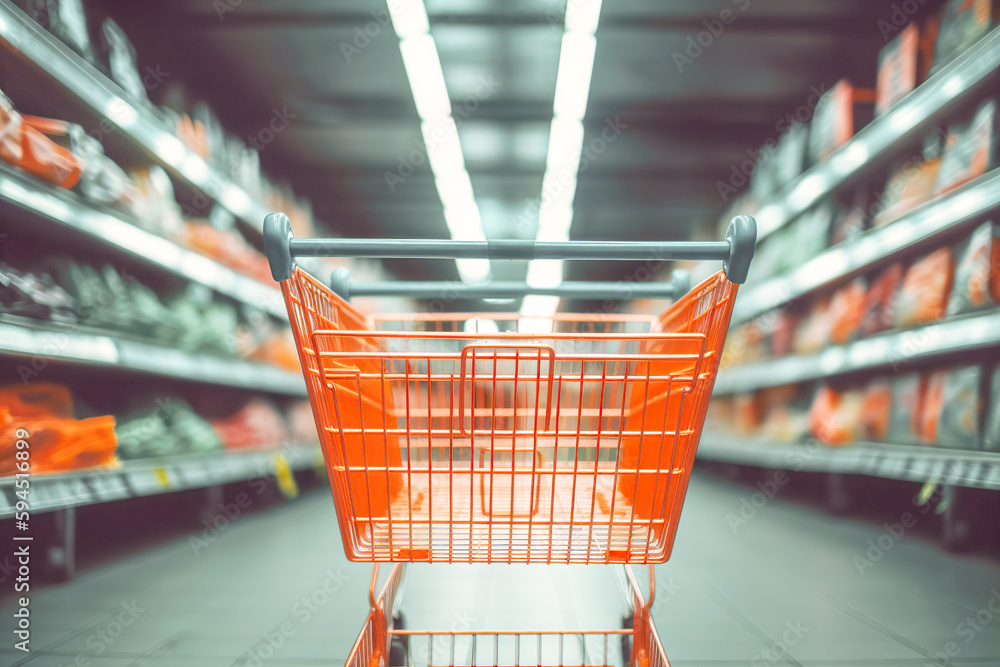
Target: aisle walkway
(274,589)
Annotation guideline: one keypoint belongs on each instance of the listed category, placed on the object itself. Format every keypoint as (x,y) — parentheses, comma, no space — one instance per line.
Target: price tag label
(162,477)
(286,480)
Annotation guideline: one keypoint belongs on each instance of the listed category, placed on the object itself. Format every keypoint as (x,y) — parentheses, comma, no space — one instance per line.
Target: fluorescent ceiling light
(539,306)
(565,146)
(440,133)
(576,65)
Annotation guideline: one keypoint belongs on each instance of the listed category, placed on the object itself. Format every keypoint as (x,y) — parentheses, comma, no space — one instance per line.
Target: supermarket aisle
(784,590)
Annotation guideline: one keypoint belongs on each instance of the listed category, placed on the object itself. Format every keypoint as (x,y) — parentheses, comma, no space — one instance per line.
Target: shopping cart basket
(381,644)
(488,438)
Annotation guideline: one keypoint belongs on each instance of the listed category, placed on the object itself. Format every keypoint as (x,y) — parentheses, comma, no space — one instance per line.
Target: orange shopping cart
(493,438)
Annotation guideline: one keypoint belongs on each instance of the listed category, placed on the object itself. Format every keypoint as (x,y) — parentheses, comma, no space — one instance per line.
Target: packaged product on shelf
(963,23)
(122,62)
(876,409)
(790,155)
(898,68)
(24,143)
(923,293)
(840,112)
(63,18)
(909,185)
(188,130)
(849,223)
(835,417)
(215,138)
(227,247)
(155,208)
(977,271)
(101,180)
(970,150)
(879,309)
(35,295)
(257,425)
(905,415)
(302,423)
(847,308)
(813,332)
(991,432)
(810,233)
(784,417)
(98,304)
(950,414)
(166,426)
(59,442)
(783,334)
(746,414)
(209,325)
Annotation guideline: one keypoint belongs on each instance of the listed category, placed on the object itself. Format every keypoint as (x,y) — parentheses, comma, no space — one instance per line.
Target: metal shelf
(903,123)
(147,477)
(956,467)
(73,346)
(113,229)
(947,213)
(892,350)
(133,121)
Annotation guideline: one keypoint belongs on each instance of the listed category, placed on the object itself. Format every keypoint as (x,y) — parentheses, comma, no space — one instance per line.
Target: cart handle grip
(736,252)
(679,285)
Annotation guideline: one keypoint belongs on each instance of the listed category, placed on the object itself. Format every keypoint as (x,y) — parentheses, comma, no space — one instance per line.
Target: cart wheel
(399,647)
(627,624)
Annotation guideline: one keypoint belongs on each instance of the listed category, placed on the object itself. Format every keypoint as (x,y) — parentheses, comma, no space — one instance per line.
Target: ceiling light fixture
(562,162)
(440,133)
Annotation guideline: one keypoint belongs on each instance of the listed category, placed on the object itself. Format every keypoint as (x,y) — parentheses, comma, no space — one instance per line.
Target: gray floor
(274,589)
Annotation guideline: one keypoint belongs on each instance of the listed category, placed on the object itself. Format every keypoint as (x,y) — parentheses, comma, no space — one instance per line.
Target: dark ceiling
(355,120)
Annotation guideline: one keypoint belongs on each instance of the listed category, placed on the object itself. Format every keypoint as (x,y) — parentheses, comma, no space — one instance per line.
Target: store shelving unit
(901,125)
(71,345)
(946,214)
(895,351)
(912,463)
(137,124)
(147,477)
(64,208)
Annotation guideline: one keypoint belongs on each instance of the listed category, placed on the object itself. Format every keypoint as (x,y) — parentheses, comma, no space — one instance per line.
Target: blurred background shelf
(113,229)
(138,125)
(893,350)
(948,213)
(904,123)
(146,477)
(936,465)
(90,349)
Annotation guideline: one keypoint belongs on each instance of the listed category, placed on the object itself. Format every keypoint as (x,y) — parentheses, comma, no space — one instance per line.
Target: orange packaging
(976,270)
(26,144)
(908,393)
(835,418)
(879,308)
(875,411)
(968,150)
(923,294)
(933,401)
(897,68)
(837,117)
(909,186)
(847,308)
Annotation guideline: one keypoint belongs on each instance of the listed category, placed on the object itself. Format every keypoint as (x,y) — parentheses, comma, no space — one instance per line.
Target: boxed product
(879,309)
(950,412)
(977,271)
(905,414)
(969,150)
(923,293)
(963,23)
(898,68)
(840,112)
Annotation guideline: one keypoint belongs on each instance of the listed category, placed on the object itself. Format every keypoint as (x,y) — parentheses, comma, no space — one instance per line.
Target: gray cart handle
(281,248)
(679,285)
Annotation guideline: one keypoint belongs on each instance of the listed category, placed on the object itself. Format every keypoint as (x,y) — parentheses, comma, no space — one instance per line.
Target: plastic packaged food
(257,425)
(122,62)
(879,309)
(814,330)
(24,143)
(923,294)
(835,417)
(63,18)
(907,402)
(908,186)
(976,270)
(970,149)
(847,308)
(876,410)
